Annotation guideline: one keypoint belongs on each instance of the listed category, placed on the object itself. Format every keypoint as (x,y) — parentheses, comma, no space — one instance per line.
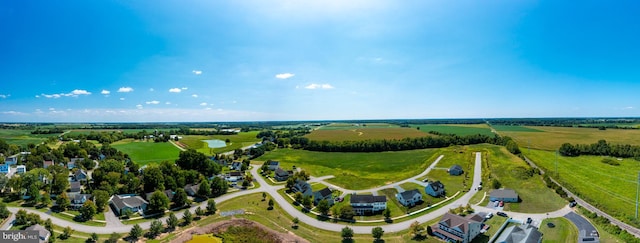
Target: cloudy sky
(254,60)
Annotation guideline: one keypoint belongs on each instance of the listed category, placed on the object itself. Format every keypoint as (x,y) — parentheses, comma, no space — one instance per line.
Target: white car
(488,216)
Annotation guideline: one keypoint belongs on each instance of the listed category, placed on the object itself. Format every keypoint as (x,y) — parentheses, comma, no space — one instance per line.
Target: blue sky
(156,61)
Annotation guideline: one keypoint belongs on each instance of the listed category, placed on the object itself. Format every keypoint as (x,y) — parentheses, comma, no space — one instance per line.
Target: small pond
(215,143)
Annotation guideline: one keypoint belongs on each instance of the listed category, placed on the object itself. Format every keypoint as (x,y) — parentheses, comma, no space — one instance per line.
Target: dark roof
(324,192)
(235,173)
(281,172)
(191,189)
(75,186)
(455,167)
(367,199)
(302,186)
(78,197)
(503,193)
(273,162)
(410,193)
(128,201)
(42,231)
(436,185)
(78,172)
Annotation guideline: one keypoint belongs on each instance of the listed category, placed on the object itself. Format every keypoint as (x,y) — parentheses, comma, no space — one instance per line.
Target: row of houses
(456,228)
(136,204)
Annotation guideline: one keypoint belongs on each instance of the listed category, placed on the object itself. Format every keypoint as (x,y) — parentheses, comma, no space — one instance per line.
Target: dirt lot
(222,226)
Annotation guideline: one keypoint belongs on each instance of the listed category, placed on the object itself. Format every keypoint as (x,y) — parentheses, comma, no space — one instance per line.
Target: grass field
(550,138)
(350,126)
(147,152)
(369,133)
(357,170)
(427,199)
(612,188)
(460,129)
(505,128)
(536,197)
(239,140)
(460,155)
(23,137)
(564,231)
(88,131)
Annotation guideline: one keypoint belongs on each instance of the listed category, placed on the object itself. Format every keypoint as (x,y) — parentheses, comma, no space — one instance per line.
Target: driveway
(587,233)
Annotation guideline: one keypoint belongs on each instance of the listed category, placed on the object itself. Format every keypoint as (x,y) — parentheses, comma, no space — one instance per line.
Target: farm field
(564,231)
(369,133)
(461,129)
(550,138)
(611,188)
(507,168)
(351,126)
(88,131)
(239,140)
(357,170)
(23,137)
(147,152)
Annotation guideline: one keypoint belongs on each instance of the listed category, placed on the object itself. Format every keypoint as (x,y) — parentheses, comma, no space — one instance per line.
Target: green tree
(307,201)
(323,207)
(63,201)
(48,225)
(93,237)
(136,232)
(4,212)
(347,233)
(180,198)
(346,212)
(155,229)
(88,210)
(158,202)
(218,186)
(101,199)
(387,214)
(113,238)
(204,190)
(199,211)
(416,230)
(45,200)
(295,222)
(187,217)
(298,197)
(496,184)
(66,233)
(290,183)
(270,204)
(153,179)
(172,221)
(377,233)
(211,206)
(264,196)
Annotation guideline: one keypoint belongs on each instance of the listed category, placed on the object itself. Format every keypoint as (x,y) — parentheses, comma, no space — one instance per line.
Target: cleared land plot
(457,155)
(237,141)
(535,196)
(461,130)
(505,128)
(611,188)
(552,137)
(147,152)
(564,230)
(356,170)
(23,137)
(88,131)
(350,126)
(359,134)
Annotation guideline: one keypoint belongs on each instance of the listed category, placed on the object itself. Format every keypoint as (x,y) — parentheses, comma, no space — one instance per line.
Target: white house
(368,204)
(409,198)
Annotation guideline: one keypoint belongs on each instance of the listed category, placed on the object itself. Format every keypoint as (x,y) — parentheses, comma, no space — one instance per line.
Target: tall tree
(187,217)
(155,229)
(377,233)
(88,210)
(172,221)
(347,233)
(323,207)
(211,206)
(63,202)
(158,202)
(180,198)
(218,187)
(101,199)
(204,190)
(153,179)
(136,231)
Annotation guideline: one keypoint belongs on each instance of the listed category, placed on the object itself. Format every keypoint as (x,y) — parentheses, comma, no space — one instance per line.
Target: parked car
(573,204)
(501,204)
(529,220)
(502,214)
(495,204)
(490,215)
(551,225)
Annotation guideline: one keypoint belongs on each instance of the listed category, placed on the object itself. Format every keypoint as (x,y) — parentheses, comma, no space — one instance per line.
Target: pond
(215,143)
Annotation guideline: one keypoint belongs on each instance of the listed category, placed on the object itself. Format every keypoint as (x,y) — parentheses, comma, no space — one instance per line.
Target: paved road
(585,228)
(632,230)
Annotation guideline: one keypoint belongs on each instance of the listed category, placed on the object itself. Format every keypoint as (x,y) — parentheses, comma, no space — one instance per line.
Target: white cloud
(153,102)
(197,72)
(125,90)
(151,90)
(628,108)
(52,109)
(203,104)
(319,86)
(139,106)
(175,90)
(77,92)
(3,96)
(194,95)
(284,75)
(208,108)
(167,103)
(12,113)
(121,98)
(184,88)
(74,93)
(105,92)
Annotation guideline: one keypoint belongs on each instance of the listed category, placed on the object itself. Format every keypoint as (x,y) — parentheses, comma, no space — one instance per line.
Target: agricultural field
(550,138)
(611,188)
(351,126)
(458,129)
(237,141)
(565,231)
(357,170)
(369,133)
(88,131)
(23,137)
(147,152)
(508,168)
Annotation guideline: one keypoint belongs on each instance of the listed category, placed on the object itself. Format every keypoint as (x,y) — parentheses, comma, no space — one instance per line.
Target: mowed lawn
(457,155)
(369,133)
(550,138)
(147,152)
(237,141)
(565,230)
(612,188)
(458,129)
(535,196)
(357,170)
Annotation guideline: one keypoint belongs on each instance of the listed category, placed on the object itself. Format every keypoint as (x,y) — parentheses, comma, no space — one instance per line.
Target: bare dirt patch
(224,225)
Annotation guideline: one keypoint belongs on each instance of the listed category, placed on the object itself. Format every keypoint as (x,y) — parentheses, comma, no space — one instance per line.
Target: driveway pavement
(587,233)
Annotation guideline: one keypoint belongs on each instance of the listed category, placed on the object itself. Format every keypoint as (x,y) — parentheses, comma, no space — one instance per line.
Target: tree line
(601,148)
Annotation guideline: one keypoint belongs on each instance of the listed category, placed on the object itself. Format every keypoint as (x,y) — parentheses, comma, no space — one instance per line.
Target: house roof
(80,172)
(78,197)
(367,199)
(324,192)
(48,163)
(74,160)
(42,231)
(127,201)
(520,234)
(410,193)
(456,221)
(455,167)
(302,186)
(503,193)
(75,186)
(192,189)
(281,172)
(235,173)
(169,193)
(273,162)
(435,185)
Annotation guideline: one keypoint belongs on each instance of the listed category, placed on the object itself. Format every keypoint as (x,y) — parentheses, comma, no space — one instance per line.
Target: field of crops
(357,170)
(23,137)
(611,187)
(237,141)
(351,126)
(359,134)
(460,129)
(550,138)
(87,131)
(147,152)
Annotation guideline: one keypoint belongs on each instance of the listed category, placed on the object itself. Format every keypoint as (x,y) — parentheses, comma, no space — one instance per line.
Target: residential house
(455,228)
(506,195)
(281,175)
(191,189)
(43,233)
(80,175)
(5,168)
(236,166)
(520,234)
(302,187)
(11,160)
(74,162)
(75,186)
(47,163)
(122,203)
(409,198)
(21,169)
(234,176)
(77,200)
(169,193)
(273,165)
(434,189)
(323,194)
(368,204)
(456,170)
